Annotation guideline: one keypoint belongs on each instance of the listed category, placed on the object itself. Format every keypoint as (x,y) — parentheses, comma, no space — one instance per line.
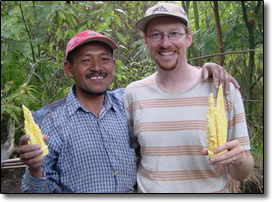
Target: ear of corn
(33,130)
(216,124)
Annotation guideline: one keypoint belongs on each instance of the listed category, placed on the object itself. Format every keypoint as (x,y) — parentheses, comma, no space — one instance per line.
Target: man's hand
(234,149)
(238,161)
(29,155)
(219,75)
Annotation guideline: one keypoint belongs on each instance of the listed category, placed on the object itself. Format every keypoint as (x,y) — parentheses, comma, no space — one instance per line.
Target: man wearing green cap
(166,113)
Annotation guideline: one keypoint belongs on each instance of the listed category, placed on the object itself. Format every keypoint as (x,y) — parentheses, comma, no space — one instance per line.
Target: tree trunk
(7,149)
(219,34)
(250,71)
(191,52)
(197,38)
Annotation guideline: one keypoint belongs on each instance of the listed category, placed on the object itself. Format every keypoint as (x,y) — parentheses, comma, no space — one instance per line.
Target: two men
(88,137)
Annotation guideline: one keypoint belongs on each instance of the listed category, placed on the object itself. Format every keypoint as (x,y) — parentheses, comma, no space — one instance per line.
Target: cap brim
(141,24)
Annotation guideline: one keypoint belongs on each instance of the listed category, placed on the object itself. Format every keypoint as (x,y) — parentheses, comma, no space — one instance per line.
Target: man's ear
(189,39)
(114,62)
(67,66)
(145,41)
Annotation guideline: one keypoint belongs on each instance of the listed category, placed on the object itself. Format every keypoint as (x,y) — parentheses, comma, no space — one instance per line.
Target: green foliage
(13,99)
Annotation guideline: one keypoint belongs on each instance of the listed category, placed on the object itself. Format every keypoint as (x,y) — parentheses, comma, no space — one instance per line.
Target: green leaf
(14,116)
(109,10)
(108,21)
(71,33)
(71,19)
(59,34)
(89,23)
(119,64)
(101,29)
(121,37)
(65,34)
(117,20)
(119,77)
(71,11)
(61,14)
(82,28)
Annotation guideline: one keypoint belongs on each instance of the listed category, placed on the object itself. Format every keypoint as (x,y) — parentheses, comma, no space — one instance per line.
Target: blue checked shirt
(86,154)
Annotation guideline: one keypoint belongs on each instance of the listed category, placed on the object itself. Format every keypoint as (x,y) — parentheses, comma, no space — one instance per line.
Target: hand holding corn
(216,124)
(33,130)
(239,162)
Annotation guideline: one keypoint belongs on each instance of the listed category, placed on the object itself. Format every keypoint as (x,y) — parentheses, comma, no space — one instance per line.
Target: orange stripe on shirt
(243,140)
(170,126)
(181,175)
(177,102)
(172,151)
(238,118)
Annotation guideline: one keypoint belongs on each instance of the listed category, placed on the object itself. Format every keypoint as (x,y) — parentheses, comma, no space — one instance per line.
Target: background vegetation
(34,35)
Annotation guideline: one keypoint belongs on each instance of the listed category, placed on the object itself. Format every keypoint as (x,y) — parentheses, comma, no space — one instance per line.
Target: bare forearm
(36,172)
(242,166)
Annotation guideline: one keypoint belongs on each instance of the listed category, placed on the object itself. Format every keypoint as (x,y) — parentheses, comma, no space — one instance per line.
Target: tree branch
(219,54)
(27,30)
(31,72)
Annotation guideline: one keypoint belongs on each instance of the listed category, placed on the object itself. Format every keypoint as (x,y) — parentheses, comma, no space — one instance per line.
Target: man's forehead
(165,21)
(93,48)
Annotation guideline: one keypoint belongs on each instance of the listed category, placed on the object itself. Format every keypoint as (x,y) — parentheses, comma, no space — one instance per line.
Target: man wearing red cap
(87,131)
(88,137)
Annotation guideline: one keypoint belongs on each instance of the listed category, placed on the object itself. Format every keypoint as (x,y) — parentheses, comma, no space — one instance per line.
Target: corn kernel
(216,124)
(33,130)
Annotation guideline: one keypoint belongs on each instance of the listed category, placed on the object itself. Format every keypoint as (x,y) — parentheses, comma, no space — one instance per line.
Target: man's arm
(29,155)
(241,166)
(35,179)
(219,75)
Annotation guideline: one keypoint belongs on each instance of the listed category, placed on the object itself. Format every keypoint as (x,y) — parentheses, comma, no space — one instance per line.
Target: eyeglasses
(171,36)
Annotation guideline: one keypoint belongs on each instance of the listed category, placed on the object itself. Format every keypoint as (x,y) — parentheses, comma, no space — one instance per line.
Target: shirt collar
(72,103)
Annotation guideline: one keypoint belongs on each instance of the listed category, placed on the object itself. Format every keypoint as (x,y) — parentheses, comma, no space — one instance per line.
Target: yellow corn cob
(216,124)
(33,130)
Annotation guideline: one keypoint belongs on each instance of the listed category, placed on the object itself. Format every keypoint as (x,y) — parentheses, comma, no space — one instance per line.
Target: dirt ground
(11,180)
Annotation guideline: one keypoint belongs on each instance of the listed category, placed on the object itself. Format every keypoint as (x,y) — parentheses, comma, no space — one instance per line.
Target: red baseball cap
(87,36)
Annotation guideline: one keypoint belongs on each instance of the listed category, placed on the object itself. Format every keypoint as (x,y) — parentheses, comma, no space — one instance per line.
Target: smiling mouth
(96,76)
(163,53)
(167,52)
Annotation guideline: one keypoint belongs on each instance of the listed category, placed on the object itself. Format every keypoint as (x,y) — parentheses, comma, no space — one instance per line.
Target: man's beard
(167,68)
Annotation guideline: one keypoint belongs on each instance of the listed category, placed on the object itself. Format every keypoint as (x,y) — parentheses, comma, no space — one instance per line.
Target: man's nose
(165,41)
(96,65)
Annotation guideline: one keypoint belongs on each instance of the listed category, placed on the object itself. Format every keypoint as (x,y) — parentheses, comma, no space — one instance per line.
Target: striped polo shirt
(171,131)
